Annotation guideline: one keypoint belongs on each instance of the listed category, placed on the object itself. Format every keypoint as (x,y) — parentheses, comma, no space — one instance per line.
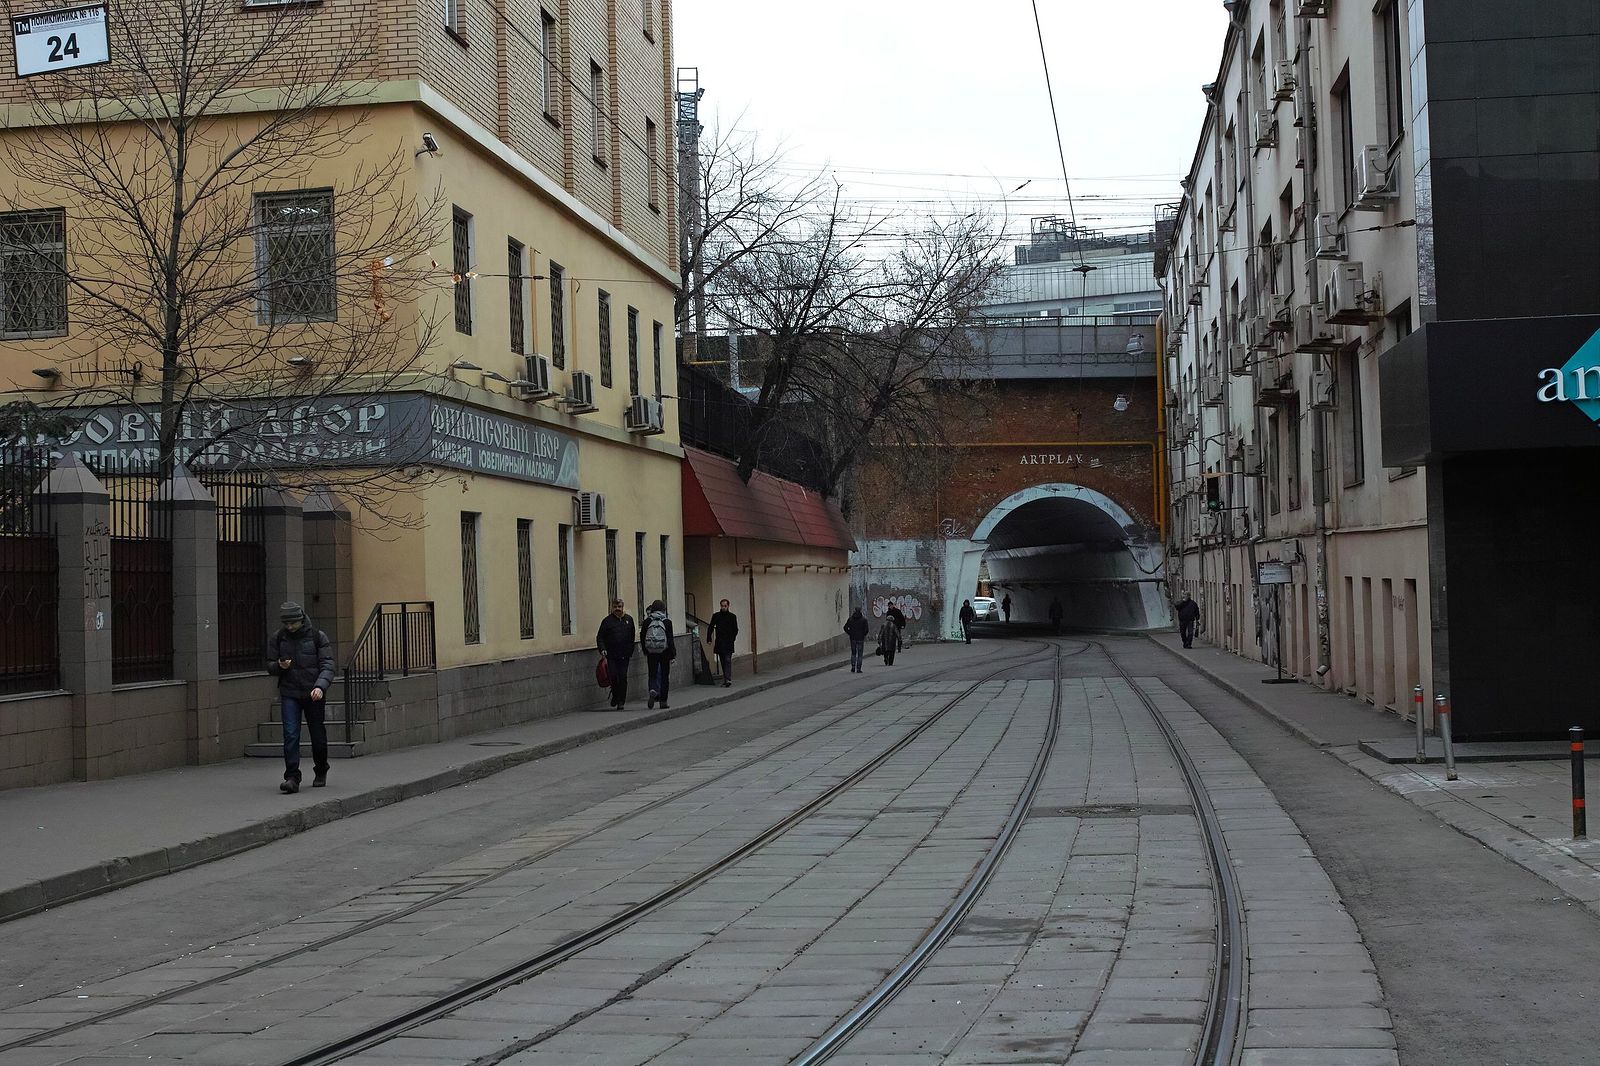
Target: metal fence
(141,574)
(29,650)
(241,570)
(397,641)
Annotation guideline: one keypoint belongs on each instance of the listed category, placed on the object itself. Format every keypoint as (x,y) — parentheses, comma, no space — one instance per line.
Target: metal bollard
(1422,743)
(1441,711)
(1580,823)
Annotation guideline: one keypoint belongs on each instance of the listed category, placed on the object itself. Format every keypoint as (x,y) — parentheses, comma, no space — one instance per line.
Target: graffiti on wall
(909,606)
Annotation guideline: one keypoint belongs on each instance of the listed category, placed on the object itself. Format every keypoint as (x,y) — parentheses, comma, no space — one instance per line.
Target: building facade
(534,335)
(1324,235)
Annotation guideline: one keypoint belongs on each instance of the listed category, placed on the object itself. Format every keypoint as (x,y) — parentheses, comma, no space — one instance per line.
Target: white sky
(901,99)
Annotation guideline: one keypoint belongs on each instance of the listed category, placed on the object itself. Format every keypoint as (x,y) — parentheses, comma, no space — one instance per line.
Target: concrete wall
(35,739)
(149,731)
(244,701)
(801,595)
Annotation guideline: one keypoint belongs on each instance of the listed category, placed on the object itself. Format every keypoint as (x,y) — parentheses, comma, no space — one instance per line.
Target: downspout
(1251,276)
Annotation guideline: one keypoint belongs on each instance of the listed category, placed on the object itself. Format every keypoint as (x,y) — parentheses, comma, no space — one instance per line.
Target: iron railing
(30,659)
(397,641)
(241,570)
(141,572)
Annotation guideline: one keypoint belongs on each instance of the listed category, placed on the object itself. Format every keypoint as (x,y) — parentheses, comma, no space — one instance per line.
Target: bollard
(1580,822)
(1441,713)
(1422,744)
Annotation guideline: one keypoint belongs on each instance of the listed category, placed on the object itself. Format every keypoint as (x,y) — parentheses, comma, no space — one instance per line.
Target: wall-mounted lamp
(1121,403)
(49,373)
(430,145)
(301,363)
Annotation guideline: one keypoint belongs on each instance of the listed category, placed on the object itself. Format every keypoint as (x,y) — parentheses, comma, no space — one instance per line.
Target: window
(1280,32)
(471,623)
(633,351)
(605,338)
(552,64)
(1292,414)
(1399,326)
(564,567)
(1354,435)
(1344,140)
(33,273)
(1275,461)
(558,324)
(638,570)
(648,18)
(664,599)
(461,266)
(518,324)
(1391,68)
(652,166)
(525,600)
(294,256)
(612,590)
(655,353)
(597,130)
(454,17)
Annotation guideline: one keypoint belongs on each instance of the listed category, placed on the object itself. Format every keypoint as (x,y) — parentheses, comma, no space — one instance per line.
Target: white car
(985,609)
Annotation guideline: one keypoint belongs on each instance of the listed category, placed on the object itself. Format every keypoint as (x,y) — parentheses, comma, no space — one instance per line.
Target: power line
(1055,122)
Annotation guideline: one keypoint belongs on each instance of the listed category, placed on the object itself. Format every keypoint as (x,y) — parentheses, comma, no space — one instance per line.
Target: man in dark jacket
(615,641)
(895,615)
(968,616)
(1005,605)
(300,656)
(856,629)
(1188,615)
(1056,613)
(722,632)
(655,637)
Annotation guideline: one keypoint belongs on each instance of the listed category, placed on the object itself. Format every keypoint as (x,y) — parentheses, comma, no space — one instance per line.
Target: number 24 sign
(62,39)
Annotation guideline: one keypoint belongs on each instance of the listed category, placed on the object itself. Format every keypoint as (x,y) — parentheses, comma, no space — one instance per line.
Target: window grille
(461,264)
(612,591)
(633,351)
(33,273)
(564,565)
(525,602)
(638,571)
(605,338)
(655,353)
(471,621)
(558,325)
(295,257)
(514,274)
(664,539)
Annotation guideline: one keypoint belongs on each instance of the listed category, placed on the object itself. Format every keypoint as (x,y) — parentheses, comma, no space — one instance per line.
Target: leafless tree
(208,286)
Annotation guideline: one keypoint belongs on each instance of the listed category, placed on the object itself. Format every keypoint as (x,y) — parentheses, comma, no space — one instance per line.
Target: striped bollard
(1580,823)
(1422,743)
(1441,711)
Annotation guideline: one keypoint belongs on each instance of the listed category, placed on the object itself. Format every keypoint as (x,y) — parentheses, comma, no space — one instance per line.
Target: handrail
(397,639)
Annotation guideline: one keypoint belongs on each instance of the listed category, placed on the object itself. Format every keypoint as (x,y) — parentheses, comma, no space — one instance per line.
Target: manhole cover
(497,743)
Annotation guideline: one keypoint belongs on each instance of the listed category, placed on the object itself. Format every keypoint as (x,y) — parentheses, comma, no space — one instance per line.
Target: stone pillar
(81,510)
(283,539)
(193,514)
(329,576)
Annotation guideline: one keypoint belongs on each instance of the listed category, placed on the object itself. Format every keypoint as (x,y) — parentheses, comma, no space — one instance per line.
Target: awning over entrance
(716,503)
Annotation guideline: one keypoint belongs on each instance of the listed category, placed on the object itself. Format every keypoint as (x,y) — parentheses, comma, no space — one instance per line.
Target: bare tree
(211,283)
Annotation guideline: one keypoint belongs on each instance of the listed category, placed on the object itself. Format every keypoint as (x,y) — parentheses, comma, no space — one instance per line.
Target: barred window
(525,601)
(558,325)
(633,351)
(294,256)
(514,252)
(461,260)
(605,338)
(564,567)
(33,273)
(655,353)
(597,126)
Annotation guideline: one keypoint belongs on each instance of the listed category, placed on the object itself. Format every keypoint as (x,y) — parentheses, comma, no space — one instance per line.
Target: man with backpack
(656,639)
(615,643)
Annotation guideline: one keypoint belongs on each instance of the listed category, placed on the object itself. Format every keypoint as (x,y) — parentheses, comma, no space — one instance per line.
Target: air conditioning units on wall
(1374,179)
(1284,81)
(1238,359)
(589,510)
(1266,128)
(1312,332)
(1311,9)
(644,415)
(535,381)
(580,393)
(1346,296)
(1280,319)
(1258,335)
(1328,237)
(1250,460)
(1211,390)
(1324,396)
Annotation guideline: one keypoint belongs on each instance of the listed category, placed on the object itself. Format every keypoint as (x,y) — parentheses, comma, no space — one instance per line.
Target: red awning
(717,504)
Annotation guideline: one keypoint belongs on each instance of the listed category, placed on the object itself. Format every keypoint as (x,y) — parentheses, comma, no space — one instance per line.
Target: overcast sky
(934,100)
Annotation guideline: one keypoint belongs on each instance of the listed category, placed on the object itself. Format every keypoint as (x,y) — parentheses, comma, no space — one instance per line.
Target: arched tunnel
(1073,545)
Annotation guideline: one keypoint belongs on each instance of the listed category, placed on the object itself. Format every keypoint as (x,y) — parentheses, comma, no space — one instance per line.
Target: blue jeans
(857,647)
(315,714)
(660,674)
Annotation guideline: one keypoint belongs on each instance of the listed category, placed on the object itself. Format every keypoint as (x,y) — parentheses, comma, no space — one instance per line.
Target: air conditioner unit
(1284,81)
(1225,213)
(1238,359)
(1194,294)
(1345,295)
(1311,9)
(1280,319)
(1266,128)
(1250,460)
(580,393)
(1313,333)
(1323,393)
(1172,397)
(1302,106)
(589,510)
(1328,237)
(1302,146)
(644,414)
(535,381)
(1258,335)
(1374,179)
(1211,390)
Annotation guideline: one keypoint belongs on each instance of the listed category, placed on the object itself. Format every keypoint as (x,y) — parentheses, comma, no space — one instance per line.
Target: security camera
(430,144)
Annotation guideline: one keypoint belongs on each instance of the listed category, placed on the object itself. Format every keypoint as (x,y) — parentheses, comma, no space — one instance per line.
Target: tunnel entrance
(1072,544)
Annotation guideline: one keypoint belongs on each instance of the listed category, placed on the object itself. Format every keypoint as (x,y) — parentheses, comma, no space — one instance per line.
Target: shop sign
(1274,573)
(1577,381)
(333,432)
(1056,459)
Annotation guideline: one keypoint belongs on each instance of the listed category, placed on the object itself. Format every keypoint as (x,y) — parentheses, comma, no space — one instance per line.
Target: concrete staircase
(343,742)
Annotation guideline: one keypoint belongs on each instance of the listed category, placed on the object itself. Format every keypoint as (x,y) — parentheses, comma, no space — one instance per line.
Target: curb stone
(121,872)
(1242,694)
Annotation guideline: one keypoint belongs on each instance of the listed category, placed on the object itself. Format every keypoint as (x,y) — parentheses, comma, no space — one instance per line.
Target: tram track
(479,881)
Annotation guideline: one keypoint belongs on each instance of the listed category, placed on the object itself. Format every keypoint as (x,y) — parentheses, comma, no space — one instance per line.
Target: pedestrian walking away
(1056,613)
(888,640)
(655,637)
(722,633)
(855,627)
(615,640)
(967,617)
(1188,616)
(895,615)
(1005,605)
(300,656)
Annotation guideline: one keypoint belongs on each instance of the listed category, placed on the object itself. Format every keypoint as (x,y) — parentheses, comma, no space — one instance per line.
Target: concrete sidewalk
(66,842)
(1513,799)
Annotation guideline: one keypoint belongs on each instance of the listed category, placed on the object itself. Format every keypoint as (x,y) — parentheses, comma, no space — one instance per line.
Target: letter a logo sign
(1582,378)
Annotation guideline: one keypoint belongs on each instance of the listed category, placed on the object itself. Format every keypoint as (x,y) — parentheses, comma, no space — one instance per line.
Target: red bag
(602,676)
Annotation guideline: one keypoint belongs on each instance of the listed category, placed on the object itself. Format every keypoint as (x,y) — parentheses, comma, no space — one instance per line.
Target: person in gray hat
(300,656)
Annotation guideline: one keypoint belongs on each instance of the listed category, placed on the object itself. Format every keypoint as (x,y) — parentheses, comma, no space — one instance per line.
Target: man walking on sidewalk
(967,617)
(615,640)
(1005,605)
(1188,615)
(722,632)
(300,656)
(856,629)
(659,651)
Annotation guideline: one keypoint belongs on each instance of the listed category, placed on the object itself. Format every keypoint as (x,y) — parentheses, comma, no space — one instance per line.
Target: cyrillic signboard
(335,432)
(68,37)
(1272,573)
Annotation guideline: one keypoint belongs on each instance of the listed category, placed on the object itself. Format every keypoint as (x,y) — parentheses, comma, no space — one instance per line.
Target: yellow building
(487,187)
